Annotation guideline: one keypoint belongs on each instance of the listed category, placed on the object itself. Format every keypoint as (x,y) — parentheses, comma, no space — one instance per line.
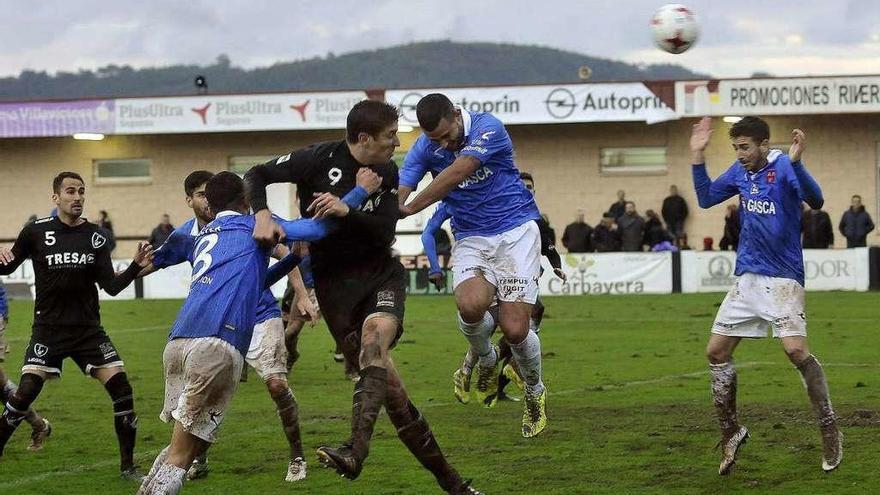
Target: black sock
(124,417)
(369,396)
(416,434)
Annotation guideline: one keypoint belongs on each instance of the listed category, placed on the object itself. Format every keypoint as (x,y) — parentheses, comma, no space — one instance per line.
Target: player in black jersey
(70,256)
(360,287)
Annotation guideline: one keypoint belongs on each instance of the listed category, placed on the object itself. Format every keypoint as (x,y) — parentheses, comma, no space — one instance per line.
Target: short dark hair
(526,176)
(56,183)
(752,127)
(854,196)
(433,108)
(225,191)
(195,180)
(371,117)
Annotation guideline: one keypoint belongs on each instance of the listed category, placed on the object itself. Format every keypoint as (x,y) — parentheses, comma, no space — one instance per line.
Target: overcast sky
(782,37)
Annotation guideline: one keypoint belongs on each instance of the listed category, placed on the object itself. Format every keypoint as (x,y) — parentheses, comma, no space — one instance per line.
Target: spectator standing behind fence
(856,224)
(730,239)
(605,237)
(105,226)
(675,212)
(632,228)
(654,231)
(817,229)
(618,208)
(161,232)
(576,237)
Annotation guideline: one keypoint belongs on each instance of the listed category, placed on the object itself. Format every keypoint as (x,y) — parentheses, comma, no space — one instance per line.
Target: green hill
(432,64)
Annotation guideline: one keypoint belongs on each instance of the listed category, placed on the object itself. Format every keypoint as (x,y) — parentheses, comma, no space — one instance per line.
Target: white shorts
(267,353)
(201,375)
(511,261)
(757,303)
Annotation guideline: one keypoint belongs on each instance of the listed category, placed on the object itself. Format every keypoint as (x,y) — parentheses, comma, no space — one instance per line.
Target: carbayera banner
(610,273)
(547,104)
(805,95)
(824,269)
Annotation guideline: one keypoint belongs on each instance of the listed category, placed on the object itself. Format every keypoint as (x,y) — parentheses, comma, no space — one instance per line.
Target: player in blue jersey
(267,354)
(498,246)
(212,333)
(769,289)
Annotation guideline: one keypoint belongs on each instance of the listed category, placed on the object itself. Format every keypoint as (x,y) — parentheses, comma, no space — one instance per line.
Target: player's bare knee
(277,387)
(471,312)
(717,354)
(796,353)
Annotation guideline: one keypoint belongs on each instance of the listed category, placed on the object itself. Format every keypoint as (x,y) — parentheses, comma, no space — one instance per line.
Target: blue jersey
(493,199)
(441,214)
(229,272)
(178,247)
(770,212)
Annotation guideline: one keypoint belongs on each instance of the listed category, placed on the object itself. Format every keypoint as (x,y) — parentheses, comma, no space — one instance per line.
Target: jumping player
(498,247)
(360,286)
(769,289)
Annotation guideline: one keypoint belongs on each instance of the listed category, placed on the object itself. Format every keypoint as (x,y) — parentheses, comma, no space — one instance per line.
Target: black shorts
(347,301)
(89,347)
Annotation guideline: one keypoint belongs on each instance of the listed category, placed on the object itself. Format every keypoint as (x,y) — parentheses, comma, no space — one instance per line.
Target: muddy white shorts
(267,353)
(511,261)
(201,376)
(758,303)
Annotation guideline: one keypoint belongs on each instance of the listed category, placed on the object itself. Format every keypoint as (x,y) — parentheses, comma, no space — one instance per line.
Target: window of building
(634,160)
(123,171)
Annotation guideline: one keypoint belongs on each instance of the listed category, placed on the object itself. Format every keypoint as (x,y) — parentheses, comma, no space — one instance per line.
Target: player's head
(371,131)
(225,191)
(441,121)
(194,186)
(751,142)
(69,194)
(527,181)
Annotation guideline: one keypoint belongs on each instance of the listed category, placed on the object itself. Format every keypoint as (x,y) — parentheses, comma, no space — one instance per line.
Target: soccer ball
(675,28)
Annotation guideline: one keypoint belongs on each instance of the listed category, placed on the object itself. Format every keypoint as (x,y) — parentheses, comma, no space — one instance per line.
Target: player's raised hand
(798,145)
(439,280)
(700,134)
(368,179)
(327,205)
(267,232)
(144,255)
(6,255)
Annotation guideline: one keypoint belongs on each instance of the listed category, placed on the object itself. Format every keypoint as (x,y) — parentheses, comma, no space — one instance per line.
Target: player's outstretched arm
(449,178)
(311,229)
(11,259)
(288,168)
(709,193)
(434,224)
(114,284)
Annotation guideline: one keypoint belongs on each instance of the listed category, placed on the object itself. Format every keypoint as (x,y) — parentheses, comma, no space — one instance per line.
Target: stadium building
(582,143)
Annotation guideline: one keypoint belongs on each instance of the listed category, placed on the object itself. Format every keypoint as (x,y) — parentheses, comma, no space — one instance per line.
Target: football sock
(817,388)
(369,396)
(478,334)
(528,357)
(416,434)
(124,417)
(724,396)
(288,410)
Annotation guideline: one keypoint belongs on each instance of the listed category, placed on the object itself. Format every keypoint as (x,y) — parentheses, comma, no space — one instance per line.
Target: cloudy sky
(782,37)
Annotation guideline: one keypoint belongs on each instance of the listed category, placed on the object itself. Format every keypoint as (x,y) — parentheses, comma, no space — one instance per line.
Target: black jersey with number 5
(364,237)
(67,262)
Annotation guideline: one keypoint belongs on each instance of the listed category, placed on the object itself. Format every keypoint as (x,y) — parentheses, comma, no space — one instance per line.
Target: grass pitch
(629,407)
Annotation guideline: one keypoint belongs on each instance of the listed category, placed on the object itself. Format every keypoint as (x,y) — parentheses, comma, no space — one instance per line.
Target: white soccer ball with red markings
(675,28)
